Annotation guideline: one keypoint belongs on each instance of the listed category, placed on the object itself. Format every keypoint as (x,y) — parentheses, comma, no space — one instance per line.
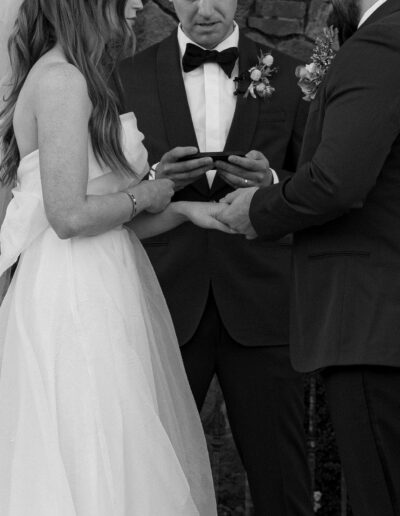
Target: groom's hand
(182,173)
(236,213)
(252,170)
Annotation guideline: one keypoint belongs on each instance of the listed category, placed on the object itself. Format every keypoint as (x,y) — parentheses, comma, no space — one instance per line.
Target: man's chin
(210,37)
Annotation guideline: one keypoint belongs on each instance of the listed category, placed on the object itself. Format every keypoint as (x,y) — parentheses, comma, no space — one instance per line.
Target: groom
(344,205)
(229,300)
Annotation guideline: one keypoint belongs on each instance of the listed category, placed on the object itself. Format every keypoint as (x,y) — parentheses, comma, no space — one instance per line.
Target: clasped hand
(206,215)
(235,212)
(230,215)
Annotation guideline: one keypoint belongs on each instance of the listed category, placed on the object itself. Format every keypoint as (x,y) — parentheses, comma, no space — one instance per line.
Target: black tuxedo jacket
(250,280)
(344,204)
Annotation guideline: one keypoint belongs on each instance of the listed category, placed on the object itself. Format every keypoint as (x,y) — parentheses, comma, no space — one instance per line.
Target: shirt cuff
(275,180)
(152,172)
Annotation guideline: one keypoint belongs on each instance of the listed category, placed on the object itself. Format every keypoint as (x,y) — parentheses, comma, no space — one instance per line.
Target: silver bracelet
(134,205)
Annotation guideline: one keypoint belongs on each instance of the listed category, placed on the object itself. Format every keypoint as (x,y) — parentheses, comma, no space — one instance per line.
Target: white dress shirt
(210,94)
(370,11)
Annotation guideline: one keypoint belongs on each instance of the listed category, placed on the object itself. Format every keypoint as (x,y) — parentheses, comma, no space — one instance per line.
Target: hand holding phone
(246,171)
(182,166)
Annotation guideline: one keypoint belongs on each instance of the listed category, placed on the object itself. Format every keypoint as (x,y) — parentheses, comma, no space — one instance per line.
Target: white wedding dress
(96,414)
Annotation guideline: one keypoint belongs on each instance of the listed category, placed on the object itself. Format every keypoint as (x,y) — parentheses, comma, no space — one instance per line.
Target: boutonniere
(259,78)
(311,75)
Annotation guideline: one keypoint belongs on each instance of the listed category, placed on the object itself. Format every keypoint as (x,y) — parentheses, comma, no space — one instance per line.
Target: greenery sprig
(311,75)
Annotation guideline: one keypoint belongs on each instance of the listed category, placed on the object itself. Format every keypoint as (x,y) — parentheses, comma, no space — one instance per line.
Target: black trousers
(364,402)
(264,401)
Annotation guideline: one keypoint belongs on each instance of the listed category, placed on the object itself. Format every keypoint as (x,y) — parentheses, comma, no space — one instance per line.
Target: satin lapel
(174,104)
(244,123)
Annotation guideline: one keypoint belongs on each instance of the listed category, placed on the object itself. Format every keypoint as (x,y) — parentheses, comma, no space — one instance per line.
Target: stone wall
(289,25)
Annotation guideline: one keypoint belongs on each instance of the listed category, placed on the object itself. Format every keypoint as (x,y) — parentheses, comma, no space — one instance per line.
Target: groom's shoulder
(384,32)
(283,61)
(139,68)
(145,58)
(149,54)
(375,45)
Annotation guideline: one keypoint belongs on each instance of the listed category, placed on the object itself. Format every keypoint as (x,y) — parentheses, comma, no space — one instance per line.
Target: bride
(96,415)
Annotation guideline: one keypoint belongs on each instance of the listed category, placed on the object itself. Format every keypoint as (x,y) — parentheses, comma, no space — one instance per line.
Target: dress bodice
(26,219)
(101,179)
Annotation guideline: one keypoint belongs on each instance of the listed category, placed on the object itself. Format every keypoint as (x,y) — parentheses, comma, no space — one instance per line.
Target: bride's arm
(62,109)
(202,214)
(146,225)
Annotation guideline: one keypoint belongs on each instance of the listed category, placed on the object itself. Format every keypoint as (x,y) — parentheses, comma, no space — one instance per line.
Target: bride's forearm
(146,225)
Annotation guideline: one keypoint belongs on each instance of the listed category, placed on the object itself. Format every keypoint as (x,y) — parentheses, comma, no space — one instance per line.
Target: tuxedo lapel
(174,104)
(245,119)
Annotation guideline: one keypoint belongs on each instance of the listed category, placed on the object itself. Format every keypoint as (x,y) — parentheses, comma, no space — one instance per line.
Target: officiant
(229,299)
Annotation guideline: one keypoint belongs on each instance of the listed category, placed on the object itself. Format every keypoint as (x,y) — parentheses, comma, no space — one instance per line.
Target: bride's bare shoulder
(53,80)
(60,76)
(54,94)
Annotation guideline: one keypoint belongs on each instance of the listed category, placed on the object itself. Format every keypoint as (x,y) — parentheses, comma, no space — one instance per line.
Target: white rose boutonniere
(258,78)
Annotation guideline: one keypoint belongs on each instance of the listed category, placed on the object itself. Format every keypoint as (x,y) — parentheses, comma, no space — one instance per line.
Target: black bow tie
(196,56)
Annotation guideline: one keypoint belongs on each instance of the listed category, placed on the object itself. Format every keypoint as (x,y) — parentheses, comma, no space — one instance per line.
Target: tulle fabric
(96,414)
(5,197)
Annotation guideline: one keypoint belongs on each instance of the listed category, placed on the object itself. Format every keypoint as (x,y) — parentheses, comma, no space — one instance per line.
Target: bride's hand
(203,214)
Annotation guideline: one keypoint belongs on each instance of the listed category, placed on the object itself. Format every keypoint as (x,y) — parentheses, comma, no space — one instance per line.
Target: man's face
(347,16)
(206,22)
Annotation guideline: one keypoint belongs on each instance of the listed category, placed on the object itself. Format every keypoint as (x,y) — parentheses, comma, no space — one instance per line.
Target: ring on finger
(246,182)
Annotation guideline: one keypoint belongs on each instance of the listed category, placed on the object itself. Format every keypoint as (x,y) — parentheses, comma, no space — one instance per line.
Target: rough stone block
(298,48)
(318,13)
(166,5)
(259,38)
(153,25)
(276,27)
(243,11)
(281,9)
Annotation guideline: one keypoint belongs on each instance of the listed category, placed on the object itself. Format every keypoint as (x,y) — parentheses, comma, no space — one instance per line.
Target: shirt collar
(231,41)
(370,11)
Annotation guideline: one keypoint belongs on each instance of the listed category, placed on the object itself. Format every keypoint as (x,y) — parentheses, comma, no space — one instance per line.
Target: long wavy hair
(93,35)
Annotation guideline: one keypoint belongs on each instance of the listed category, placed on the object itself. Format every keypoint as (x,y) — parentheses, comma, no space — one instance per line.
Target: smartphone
(221,156)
